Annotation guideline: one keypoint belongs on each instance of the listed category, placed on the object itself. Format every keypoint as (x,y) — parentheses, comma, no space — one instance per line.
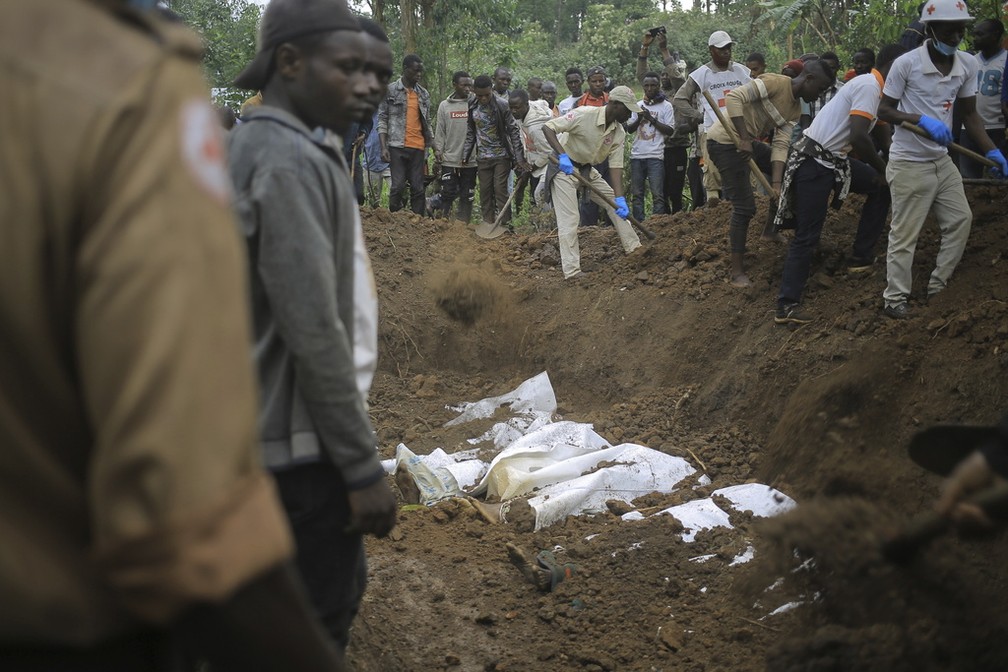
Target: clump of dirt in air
(466,294)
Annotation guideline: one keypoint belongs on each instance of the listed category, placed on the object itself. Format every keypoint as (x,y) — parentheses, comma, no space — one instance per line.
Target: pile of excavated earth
(659,350)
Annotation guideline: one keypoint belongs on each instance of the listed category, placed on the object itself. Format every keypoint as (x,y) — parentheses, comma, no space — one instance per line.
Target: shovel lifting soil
(939,449)
(903,546)
(489,231)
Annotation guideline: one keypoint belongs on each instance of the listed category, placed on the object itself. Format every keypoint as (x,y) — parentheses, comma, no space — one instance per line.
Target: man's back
(122,289)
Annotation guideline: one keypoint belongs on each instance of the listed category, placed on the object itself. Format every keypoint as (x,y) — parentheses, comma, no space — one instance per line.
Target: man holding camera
(717,77)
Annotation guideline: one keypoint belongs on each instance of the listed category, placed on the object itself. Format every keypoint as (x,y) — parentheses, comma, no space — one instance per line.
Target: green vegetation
(545,37)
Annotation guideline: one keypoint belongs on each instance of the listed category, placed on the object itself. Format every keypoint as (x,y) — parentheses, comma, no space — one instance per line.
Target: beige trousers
(711,176)
(919,187)
(565,204)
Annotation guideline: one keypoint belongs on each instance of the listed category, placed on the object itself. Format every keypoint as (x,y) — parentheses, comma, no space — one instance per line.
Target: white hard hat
(945,10)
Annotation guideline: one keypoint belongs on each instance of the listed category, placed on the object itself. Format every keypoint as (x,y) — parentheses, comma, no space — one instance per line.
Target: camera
(654,32)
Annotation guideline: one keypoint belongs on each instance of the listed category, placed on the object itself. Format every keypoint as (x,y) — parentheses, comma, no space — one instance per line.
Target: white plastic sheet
(566,468)
(533,397)
(635,471)
(704,514)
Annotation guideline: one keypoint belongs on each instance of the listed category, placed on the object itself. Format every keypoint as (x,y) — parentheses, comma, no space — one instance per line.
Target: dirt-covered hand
(372,509)
(970,476)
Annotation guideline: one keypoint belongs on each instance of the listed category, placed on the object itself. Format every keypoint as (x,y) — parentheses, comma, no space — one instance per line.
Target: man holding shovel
(921,89)
(818,165)
(594,134)
(769,103)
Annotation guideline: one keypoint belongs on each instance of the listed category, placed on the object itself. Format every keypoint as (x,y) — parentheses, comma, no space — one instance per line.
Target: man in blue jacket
(405,134)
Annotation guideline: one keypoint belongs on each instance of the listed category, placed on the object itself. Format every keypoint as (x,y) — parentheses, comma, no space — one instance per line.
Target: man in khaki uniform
(768,103)
(131,498)
(594,135)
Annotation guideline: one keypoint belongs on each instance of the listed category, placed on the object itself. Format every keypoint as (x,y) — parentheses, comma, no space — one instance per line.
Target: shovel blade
(489,230)
(939,449)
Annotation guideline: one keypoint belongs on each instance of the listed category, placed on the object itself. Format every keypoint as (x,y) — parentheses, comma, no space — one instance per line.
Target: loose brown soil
(659,349)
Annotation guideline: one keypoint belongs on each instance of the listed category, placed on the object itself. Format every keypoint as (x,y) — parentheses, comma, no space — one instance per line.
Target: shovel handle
(979,158)
(649,234)
(902,547)
(730,130)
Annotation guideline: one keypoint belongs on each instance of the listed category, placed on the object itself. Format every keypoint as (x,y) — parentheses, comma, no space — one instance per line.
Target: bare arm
(643,56)
(861,141)
(887,111)
(552,140)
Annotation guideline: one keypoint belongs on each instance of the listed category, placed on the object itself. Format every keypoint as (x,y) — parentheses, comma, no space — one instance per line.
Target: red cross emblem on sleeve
(930,9)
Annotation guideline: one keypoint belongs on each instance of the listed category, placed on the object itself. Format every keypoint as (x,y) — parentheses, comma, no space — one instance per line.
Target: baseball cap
(796,65)
(595,70)
(285,20)
(623,94)
(719,39)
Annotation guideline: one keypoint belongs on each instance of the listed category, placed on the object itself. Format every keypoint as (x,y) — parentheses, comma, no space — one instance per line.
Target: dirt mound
(659,349)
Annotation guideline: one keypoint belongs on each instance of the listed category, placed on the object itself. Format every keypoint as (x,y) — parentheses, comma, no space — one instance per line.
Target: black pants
(736,187)
(695,175)
(590,212)
(148,651)
(675,177)
(458,183)
(974,169)
(331,562)
(812,186)
(406,165)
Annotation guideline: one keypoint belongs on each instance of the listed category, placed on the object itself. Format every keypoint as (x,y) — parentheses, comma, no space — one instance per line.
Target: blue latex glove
(938,131)
(622,211)
(566,167)
(1001,171)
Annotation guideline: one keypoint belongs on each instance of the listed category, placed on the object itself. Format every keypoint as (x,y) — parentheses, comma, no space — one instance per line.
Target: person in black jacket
(494,134)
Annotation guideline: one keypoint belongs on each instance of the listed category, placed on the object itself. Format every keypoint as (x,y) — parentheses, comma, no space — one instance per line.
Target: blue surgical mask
(945,49)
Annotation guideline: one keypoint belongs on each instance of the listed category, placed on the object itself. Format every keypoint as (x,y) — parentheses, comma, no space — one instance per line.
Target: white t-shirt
(921,89)
(860,97)
(365,345)
(649,142)
(718,84)
(989,76)
(567,104)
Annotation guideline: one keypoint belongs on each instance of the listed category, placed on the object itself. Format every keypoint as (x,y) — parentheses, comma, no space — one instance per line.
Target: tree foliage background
(545,37)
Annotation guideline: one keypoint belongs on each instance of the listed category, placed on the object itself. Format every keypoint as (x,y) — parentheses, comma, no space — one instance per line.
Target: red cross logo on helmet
(960,6)
(931,9)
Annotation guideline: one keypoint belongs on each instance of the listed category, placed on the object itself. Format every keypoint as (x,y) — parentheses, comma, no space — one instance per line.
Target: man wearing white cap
(922,87)
(594,134)
(717,77)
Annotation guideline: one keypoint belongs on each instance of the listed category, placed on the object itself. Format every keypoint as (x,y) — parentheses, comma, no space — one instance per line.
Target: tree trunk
(427,13)
(378,12)
(556,26)
(407,9)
